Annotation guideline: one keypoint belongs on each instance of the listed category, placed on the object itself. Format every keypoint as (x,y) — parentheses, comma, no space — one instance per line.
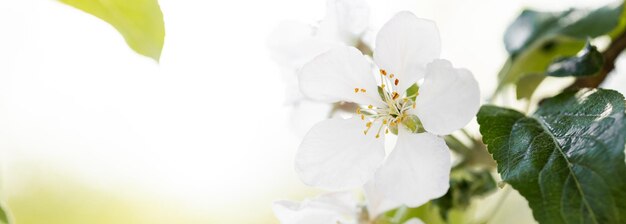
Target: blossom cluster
(405,93)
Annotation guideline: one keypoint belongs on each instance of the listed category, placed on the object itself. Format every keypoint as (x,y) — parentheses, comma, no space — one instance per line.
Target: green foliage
(527,85)
(587,62)
(536,39)
(567,159)
(427,213)
(464,185)
(4,219)
(139,21)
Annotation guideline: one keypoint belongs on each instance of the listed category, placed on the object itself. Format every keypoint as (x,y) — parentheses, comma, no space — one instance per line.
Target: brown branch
(610,55)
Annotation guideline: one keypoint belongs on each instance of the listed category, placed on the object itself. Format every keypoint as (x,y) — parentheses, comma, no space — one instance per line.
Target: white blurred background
(91,132)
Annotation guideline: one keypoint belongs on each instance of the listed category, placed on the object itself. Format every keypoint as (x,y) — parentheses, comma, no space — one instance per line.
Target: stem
(498,205)
(476,155)
(610,55)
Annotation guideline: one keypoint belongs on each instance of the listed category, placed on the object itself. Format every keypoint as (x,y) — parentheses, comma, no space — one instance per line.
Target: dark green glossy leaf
(587,62)
(567,159)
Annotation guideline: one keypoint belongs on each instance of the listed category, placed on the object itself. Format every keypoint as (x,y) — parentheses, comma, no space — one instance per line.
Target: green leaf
(535,39)
(529,27)
(139,21)
(4,219)
(464,186)
(593,23)
(537,59)
(527,85)
(428,213)
(567,159)
(532,26)
(587,62)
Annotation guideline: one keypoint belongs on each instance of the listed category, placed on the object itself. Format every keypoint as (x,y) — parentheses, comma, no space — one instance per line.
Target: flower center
(396,106)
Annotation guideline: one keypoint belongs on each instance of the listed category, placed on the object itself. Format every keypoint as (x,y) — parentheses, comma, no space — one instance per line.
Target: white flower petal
(414,221)
(293,44)
(377,203)
(334,75)
(327,208)
(289,212)
(345,21)
(404,45)
(448,99)
(292,90)
(306,114)
(336,155)
(417,170)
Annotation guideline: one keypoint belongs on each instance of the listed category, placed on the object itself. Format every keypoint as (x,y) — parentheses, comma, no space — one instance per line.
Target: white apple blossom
(339,154)
(293,44)
(336,207)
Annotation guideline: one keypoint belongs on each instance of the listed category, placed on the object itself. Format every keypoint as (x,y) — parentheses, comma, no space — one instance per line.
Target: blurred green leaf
(537,60)
(4,219)
(464,186)
(427,213)
(527,85)
(139,21)
(567,159)
(535,39)
(528,28)
(532,26)
(587,62)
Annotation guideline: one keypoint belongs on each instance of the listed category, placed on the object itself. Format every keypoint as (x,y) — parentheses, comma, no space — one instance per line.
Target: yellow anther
(382,71)
(391,76)
(386,131)
(413,106)
(362,90)
(370,106)
(384,121)
(365,132)
(368,124)
(382,86)
(377,135)
(358,110)
(356,90)
(362,117)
